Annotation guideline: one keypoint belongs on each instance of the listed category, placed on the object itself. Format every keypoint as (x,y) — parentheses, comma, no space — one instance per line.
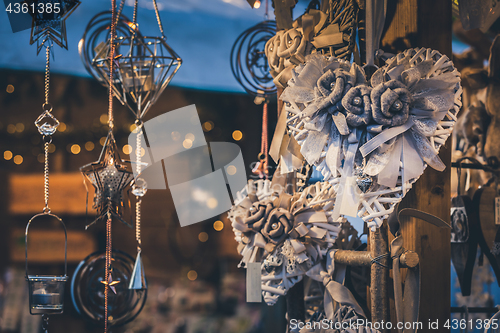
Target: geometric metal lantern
(46,292)
(145,66)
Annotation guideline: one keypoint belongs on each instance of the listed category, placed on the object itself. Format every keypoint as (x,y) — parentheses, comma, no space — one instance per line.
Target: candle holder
(46,292)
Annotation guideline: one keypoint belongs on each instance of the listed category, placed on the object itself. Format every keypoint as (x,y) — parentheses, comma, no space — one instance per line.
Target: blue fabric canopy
(202,32)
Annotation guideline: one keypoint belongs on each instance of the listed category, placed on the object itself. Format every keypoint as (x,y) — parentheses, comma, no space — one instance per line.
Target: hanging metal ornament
(49,21)
(109,176)
(145,66)
(46,292)
(139,189)
(97,33)
(248,60)
(87,286)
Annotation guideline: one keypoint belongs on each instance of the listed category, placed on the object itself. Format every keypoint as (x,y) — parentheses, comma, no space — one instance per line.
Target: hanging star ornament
(49,21)
(110,283)
(109,176)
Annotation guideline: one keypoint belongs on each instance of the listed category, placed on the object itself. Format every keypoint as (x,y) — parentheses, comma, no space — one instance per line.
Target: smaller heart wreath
(288,234)
(372,139)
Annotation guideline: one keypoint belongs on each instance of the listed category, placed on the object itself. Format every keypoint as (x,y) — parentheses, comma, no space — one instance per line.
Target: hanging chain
(111,125)
(111,62)
(46,209)
(160,25)
(266,13)
(107,271)
(120,9)
(47,77)
(134,17)
(138,223)
(138,168)
(45,323)
(47,139)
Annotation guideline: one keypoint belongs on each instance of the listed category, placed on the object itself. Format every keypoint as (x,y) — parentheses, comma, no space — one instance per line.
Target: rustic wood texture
(379,276)
(67,194)
(283,13)
(426,23)
(352,258)
(364,258)
(409,259)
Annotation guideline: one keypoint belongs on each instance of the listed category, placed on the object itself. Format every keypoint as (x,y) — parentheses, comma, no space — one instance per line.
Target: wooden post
(426,23)
(379,281)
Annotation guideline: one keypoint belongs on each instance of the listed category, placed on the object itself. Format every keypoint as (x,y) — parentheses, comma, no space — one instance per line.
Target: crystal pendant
(138,278)
(46,123)
(140,187)
(364,181)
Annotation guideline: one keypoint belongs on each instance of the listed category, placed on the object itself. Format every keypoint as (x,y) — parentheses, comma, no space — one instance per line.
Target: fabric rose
(271,49)
(279,223)
(292,46)
(358,106)
(391,103)
(258,214)
(332,85)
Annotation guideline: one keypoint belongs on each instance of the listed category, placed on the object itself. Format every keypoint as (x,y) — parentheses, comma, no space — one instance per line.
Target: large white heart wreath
(372,140)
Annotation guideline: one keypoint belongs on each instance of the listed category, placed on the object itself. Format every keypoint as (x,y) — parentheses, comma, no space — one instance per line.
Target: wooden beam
(363,258)
(426,23)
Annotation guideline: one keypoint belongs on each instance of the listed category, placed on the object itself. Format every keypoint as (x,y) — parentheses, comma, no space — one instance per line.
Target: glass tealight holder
(46,292)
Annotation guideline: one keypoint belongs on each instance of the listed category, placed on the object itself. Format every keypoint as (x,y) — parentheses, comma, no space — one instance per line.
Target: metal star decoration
(110,283)
(49,21)
(109,176)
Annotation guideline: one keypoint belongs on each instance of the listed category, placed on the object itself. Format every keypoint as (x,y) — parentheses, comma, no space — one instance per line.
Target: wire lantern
(248,60)
(144,65)
(95,35)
